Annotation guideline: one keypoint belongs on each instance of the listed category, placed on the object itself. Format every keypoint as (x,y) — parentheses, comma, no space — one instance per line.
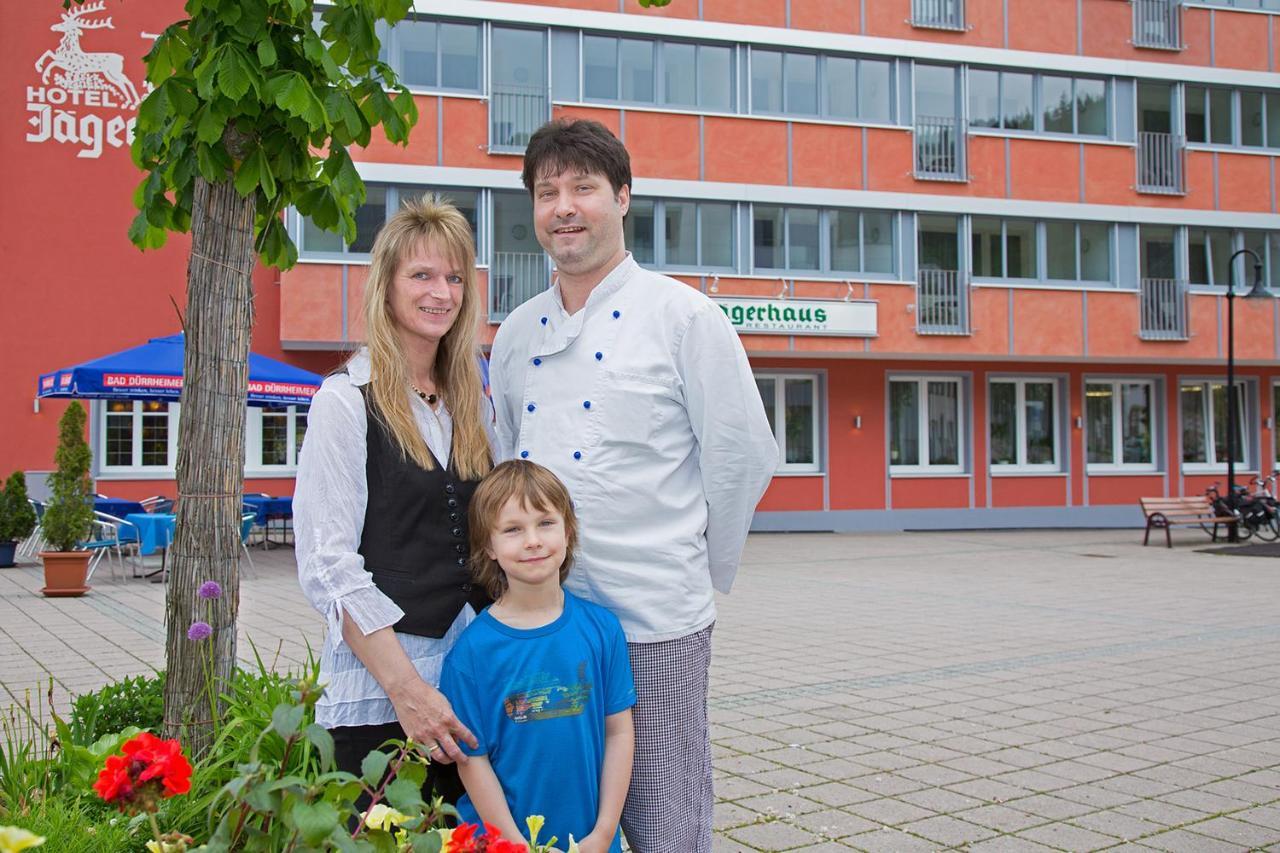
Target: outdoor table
(118,507)
(155,533)
(267,509)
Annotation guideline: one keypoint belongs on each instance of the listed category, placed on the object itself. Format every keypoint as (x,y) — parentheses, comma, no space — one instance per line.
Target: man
(635,390)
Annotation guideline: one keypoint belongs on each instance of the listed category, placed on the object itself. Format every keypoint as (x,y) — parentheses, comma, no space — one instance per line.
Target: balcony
(940,149)
(1162,310)
(1157,24)
(938,14)
(1161,164)
(515,112)
(514,278)
(942,303)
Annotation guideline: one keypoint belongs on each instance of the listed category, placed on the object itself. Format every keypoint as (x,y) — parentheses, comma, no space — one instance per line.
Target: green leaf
(413,772)
(211,124)
(145,236)
(374,767)
(286,717)
(404,794)
(323,742)
(236,74)
(428,843)
(169,55)
(314,820)
(290,92)
(212,162)
(266,51)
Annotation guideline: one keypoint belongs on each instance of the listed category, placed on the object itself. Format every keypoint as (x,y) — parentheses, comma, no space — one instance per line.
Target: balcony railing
(940,149)
(942,303)
(1161,163)
(1157,24)
(515,112)
(515,277)
(1163,310)
(938,14)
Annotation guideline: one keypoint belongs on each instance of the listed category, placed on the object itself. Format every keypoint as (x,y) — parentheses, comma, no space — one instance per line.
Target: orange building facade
(977,250)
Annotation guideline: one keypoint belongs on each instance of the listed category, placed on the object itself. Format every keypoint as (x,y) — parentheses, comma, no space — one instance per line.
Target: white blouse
(328,515)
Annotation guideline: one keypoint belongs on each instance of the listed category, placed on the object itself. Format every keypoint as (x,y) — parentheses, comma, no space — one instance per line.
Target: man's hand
(428,718)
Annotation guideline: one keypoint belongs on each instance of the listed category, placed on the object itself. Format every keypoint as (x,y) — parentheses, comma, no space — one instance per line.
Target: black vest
(414,540)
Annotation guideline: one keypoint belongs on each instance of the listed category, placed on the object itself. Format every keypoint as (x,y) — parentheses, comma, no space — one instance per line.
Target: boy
(541,677)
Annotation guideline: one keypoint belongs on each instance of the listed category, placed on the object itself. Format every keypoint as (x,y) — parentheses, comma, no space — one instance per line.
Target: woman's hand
(428,718)
(594,843)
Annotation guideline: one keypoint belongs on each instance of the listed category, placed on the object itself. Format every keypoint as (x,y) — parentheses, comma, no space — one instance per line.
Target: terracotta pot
(65,572)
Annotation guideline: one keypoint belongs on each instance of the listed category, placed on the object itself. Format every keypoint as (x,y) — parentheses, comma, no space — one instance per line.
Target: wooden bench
(1194,511)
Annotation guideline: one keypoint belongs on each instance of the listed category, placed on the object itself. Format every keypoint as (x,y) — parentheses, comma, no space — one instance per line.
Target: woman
(396,442)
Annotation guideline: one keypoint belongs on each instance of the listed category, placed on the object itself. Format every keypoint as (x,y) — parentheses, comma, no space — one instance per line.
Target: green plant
(136,701)
(17,518)
(69,514)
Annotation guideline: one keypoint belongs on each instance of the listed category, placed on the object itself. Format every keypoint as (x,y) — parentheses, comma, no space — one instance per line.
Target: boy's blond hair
(537,488)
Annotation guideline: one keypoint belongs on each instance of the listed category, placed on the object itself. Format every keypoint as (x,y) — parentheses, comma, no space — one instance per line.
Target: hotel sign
(855,319)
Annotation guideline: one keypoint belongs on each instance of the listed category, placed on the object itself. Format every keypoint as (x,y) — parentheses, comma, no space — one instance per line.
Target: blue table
(155,530)
(118,507)
(268,509)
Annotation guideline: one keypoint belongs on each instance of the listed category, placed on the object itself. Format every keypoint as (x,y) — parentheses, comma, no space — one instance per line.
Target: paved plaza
(1030,690)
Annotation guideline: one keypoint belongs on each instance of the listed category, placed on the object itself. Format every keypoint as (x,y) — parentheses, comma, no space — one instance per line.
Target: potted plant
(68,516)
(17,518)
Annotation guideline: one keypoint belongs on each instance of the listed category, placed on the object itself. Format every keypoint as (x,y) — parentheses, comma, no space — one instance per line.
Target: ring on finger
(432,748)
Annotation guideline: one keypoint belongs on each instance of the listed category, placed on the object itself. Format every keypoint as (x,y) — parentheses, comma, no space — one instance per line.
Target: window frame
(1117,426)
(1020,417)
(1235,100)
(824,268)
(1037,104)
(780,378)
(921,381)
(1212,465)
(254,465)
(391,44)
(135,453)
(395,193)
(659,73)
(822,110)
(1042,276)
(659,260)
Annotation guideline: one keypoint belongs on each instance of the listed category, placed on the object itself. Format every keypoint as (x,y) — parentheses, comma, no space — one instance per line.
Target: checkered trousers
(669,804)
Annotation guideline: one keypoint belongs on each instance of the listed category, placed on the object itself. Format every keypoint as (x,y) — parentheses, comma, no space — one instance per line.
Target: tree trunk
(210,467)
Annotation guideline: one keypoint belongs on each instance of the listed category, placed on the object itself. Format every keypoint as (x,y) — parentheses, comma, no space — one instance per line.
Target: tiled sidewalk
(988,691)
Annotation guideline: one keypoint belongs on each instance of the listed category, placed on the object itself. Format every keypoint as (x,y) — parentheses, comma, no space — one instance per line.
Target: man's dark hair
(579,144)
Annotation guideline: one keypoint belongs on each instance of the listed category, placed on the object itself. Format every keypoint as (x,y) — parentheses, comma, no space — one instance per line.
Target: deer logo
(82,71)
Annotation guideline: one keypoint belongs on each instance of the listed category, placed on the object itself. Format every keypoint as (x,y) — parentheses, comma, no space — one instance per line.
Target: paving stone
(890,841)
(834,823)
(777,835)
(890,812)
(1002,818)
(1064,836)
(1183,841)
(948,830)
(1236,832)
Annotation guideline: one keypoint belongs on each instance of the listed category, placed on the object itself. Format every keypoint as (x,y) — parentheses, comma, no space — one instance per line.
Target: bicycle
(1265,494)
(1254,514)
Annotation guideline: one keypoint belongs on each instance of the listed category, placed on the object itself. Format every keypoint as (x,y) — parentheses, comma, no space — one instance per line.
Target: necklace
(430,399)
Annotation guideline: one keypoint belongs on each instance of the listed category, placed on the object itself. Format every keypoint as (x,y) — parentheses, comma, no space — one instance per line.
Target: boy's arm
(486,795)
(615,778)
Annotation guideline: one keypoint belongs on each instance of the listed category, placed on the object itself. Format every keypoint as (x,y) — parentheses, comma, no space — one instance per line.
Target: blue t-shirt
(536,700)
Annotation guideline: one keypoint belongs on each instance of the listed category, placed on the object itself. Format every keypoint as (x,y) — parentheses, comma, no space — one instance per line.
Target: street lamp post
(1258,290)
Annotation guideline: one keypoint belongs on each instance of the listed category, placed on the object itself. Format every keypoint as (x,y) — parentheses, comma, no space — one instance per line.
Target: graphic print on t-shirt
(545,697)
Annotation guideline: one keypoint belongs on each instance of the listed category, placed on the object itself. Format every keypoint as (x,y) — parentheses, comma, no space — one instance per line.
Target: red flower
(149,770)
(465,840)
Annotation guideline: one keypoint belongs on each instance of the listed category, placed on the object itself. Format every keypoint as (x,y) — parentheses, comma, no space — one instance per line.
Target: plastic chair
(34,543)
(106,535)
(150,504)
(246,527)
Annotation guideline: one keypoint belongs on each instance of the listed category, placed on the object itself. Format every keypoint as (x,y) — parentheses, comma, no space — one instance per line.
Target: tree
(252,111)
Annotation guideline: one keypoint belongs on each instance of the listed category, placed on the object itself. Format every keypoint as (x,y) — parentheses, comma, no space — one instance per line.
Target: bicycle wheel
(1268,528)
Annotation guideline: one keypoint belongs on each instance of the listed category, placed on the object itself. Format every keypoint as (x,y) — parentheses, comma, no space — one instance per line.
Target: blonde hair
(435,222)
(537,488)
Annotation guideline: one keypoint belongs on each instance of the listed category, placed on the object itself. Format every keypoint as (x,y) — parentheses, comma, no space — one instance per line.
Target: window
(791,403)
(1024,424)
(645,71)
(1275,432)
(1009,249)
(435,54)
(1203,406)
(1008,100)
(805,239)
(1120,432)
(1210,249)
(926,426)
(1221,116)
(138,434)
(807,84)
(380,202)
(1268,5)
(274,436)
(680,234)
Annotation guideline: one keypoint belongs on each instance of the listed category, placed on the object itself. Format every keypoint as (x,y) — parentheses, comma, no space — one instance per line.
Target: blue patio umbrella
(153,371)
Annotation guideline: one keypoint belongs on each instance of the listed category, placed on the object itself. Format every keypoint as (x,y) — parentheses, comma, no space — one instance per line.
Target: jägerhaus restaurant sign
(854,319)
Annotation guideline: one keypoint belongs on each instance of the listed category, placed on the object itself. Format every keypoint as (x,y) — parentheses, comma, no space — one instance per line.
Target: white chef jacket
(644,404)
